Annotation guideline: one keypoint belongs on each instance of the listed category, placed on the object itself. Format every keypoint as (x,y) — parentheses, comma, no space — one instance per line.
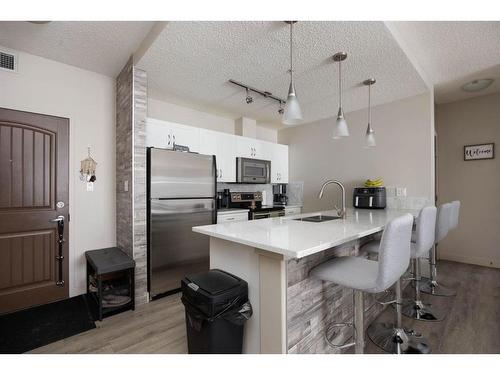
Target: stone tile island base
(291,309)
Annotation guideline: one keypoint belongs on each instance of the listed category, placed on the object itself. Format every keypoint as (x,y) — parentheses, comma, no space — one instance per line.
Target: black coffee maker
(223,199)
(279,195)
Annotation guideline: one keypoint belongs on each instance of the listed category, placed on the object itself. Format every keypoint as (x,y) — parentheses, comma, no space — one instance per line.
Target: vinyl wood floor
(472,324)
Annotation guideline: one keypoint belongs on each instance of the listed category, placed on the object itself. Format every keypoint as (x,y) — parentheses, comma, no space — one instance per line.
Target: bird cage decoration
(87,169)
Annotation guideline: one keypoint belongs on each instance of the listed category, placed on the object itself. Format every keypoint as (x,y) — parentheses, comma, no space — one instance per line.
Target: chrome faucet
(342,212)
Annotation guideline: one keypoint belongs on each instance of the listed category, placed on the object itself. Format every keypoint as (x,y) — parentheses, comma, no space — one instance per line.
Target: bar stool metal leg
(359,331)
(417,309)
(431,286)
(393,338)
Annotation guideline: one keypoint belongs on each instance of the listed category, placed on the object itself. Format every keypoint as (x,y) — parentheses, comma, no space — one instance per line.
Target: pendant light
(292,114)
(370,133)
(340,129)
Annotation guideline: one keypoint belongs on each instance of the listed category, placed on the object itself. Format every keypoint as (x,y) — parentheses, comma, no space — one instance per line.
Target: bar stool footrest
(336,327)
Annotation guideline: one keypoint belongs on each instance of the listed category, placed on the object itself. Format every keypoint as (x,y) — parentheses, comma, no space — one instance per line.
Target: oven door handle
(257,216)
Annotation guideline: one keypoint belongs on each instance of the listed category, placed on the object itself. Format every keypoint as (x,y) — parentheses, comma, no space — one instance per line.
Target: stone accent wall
(313,304)
(124,134)
(131,113)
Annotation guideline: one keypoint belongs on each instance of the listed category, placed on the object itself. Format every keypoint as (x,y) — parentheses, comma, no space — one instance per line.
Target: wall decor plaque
(479,152)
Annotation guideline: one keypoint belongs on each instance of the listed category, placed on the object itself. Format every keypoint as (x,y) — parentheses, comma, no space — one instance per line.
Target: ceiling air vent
(8,61)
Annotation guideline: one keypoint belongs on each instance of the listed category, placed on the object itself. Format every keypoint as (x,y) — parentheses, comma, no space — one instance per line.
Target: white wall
(88,100)
(474,183)
(166,111)
(403,156)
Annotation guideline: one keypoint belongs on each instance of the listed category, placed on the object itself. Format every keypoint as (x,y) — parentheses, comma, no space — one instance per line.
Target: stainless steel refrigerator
(181,195)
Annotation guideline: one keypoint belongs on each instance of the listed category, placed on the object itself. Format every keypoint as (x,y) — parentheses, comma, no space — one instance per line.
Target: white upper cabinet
(163,134)
(221,145)
(253,148)
(226,147)
(279,164)
(186,136)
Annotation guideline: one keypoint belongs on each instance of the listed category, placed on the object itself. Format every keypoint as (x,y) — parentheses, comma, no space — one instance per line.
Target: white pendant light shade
(370,137)
(293,113)
(340,130)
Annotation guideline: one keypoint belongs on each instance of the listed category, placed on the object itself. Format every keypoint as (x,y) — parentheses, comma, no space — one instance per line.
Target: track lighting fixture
(340,129)
(265,94)
(248,99)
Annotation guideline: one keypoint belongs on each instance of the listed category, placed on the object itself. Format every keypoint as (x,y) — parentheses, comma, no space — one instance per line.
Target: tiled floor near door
(472,324)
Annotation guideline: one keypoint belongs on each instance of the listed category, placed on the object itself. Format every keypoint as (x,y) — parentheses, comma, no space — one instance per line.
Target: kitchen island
(291,309)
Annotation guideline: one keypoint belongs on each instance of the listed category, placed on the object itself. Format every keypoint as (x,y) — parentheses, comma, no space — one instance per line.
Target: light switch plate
(401,192)
(125,185)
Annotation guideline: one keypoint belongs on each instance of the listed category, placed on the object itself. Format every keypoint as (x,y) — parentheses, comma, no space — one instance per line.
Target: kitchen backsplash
(295,191)
(268,188)
(411,203)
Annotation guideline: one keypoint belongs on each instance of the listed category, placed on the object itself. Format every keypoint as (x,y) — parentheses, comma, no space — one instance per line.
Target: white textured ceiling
(102,47)
(453,53)
(191,62)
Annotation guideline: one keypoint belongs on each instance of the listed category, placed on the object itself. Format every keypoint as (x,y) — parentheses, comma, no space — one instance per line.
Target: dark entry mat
(28,329)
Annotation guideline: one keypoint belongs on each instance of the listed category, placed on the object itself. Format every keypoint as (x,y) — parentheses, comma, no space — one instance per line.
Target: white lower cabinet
(225,217)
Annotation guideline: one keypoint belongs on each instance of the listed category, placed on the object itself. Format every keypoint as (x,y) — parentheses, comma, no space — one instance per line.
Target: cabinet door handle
(221,173)
(173,136)
(168,140)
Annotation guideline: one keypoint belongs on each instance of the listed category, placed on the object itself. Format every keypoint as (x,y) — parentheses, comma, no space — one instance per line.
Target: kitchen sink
(318,218)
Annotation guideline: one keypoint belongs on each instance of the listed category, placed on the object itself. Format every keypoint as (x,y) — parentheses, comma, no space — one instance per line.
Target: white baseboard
(494,263)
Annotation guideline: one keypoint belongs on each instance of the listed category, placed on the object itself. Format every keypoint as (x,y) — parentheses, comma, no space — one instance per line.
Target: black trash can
(217,307)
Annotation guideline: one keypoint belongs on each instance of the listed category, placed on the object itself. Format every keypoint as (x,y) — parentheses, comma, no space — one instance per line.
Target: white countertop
(297,239)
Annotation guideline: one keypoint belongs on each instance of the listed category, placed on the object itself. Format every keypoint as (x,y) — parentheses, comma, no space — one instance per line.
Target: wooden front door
(34,153)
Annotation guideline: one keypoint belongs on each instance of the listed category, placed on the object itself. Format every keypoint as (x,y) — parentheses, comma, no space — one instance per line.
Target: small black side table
(107,265)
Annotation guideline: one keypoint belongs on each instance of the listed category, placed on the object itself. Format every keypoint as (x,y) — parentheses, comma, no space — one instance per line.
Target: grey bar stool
(424,241)
(367,276)
(385,335)
(447,219)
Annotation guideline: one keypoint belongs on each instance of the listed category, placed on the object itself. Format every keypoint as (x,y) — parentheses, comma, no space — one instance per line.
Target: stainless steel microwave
(253,171)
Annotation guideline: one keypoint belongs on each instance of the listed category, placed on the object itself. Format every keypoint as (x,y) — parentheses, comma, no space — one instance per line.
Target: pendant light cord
(340,84)
(291,51)
(369,105)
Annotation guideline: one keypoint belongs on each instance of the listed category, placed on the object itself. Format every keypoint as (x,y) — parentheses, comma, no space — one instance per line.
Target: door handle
(60,241)
(57,219)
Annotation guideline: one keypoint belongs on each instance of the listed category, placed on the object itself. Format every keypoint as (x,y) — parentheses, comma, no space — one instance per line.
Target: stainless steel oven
(253,171)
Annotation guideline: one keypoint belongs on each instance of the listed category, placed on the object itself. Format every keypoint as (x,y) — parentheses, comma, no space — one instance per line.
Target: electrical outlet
(401,192)
(90,186)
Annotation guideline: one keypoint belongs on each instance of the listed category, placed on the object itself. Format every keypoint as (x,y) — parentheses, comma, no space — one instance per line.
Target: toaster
(364,197)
